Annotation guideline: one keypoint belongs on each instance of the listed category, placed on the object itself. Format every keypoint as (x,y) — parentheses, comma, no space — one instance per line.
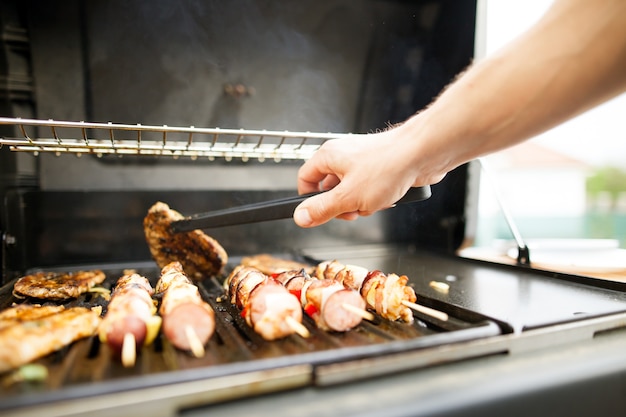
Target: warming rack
(78,138)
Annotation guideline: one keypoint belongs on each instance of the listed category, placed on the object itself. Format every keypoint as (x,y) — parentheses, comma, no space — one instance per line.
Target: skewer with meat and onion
(265,304)
(387,294)
(188,321)
(331,305)
(130,321)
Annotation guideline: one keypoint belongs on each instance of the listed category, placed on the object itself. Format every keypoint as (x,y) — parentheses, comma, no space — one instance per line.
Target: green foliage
(606,179)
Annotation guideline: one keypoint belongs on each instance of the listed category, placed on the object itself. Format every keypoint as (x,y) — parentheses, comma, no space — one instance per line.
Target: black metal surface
(267,210)
(518,298)
(577,379)
(88,368)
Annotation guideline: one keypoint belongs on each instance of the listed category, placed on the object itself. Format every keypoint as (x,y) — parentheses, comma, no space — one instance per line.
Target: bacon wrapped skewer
(267,306)
(327,302)
(188,321)
(388,295)
(130,321)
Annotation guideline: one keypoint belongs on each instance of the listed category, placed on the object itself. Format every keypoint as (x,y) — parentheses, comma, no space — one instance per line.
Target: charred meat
(200,255)
(57,285)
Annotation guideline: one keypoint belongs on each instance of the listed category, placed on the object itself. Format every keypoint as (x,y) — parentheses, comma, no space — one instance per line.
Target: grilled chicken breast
(57,285)
(32,339)
(200,255)
(26,312)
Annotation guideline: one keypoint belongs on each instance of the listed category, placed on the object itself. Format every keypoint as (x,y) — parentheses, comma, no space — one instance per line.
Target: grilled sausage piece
(268,309)
(325,301)
(383,293)
(267,306)
(130,311)
(183,310)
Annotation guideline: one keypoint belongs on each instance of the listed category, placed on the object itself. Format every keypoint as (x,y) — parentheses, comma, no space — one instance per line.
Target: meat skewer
(388,295)
(266,306)
(327,302)
(188,321)
(130,321)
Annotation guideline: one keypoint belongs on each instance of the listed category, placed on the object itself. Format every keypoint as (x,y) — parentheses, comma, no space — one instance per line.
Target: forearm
(572,60)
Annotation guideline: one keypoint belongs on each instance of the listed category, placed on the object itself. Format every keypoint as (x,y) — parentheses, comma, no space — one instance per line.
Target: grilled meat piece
(271,265)
(327,302)
(267,306)
(29,340)
(385,294)
(57,285)
(188,321)
(200,255)
(131,311)
(26,312)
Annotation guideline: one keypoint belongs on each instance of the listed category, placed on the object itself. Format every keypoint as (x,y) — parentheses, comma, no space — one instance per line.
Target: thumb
(316,210)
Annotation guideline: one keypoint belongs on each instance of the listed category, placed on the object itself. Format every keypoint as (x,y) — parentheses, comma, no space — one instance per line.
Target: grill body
(519,340)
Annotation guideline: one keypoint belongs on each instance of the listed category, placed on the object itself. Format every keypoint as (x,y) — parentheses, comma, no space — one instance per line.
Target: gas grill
(100,121)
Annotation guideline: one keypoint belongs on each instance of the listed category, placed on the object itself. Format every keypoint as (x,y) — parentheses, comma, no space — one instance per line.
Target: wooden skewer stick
(366,315)
(129,350)
(426,310)
(195,345)
(297,327)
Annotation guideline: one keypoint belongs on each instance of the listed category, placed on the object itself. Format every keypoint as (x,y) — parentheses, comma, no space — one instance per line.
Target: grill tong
(267,210)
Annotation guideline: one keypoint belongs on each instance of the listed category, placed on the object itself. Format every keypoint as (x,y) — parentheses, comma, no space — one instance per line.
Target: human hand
(362,173)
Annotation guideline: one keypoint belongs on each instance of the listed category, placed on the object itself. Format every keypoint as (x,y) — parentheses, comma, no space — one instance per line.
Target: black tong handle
(282,208)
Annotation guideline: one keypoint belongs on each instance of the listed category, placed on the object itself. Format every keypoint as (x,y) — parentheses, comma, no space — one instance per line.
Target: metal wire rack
(78,138)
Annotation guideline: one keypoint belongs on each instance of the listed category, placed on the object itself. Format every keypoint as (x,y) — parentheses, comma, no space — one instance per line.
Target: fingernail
(302,217)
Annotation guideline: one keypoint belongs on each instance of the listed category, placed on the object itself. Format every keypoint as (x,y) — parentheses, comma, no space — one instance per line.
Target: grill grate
(88,367)
(78,138)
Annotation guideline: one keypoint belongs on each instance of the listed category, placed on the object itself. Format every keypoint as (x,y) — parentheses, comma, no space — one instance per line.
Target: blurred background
(565,188)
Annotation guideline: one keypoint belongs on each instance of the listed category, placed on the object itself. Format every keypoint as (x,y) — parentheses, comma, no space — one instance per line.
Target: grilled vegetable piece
(200,255)
(188,321)
(32,339)
(57,285)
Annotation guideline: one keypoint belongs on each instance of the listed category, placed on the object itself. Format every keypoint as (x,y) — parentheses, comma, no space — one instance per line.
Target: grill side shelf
(99,139)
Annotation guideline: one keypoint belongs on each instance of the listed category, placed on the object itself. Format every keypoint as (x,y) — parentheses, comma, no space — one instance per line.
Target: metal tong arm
(282,208)
(523,253)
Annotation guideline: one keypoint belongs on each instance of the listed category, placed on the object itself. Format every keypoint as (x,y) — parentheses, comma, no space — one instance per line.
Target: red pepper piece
(310,309)
(297,293)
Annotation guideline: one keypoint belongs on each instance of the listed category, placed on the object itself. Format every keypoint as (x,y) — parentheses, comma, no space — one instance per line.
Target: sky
(597,137)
